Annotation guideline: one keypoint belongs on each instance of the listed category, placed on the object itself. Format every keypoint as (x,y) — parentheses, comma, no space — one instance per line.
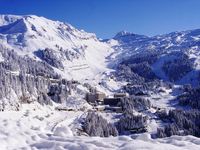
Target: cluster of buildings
(102,102)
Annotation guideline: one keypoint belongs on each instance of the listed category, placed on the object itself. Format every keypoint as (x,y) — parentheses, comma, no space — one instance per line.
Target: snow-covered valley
(52,73)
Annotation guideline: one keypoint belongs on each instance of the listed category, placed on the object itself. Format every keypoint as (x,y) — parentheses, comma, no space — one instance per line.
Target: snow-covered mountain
(58,49)
(74,53)
(171,57)
(46,66)
(37,54)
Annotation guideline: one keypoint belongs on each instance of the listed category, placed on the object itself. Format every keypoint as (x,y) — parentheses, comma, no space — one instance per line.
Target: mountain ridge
(63,52)
(46,40)
(29,34)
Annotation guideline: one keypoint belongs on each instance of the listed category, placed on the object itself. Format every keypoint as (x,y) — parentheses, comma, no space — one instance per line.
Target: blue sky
(107,17)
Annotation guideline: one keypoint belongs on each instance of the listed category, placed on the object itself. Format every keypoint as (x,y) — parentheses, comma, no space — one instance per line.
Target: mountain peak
(18,26)
(72,50)
(35,26)
(123,34)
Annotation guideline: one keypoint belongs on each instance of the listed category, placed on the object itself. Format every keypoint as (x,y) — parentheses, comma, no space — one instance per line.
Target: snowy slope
(76,54)
(165,48)
(82,54)
(46,129)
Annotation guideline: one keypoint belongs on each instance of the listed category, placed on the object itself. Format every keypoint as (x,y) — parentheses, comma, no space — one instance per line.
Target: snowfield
(37,127)
(88,63)
(28,34)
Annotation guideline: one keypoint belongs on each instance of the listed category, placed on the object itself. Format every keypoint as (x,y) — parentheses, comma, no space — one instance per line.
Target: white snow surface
(37,127)
(1,58)
(42,127)
(157,67)
(28,34)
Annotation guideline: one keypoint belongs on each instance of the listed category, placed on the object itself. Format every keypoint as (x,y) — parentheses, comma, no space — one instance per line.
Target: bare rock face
(96,125)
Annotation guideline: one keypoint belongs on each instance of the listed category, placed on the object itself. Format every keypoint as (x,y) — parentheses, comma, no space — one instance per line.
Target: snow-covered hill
(176,53)
(40,57)
(74,53)
(59,49)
